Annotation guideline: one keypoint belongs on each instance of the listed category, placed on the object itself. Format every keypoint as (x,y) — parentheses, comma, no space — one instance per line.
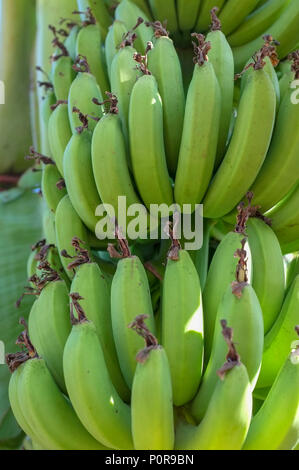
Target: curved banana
(257,22)
(204,17)
(151,395)
(129,13)
(245,155)
(182,324)
(62,75)
(94,294)
(222,59)
(276,424)
(164,64)
(147,144)
(50,190)
(90,389)
(59,133)
(227,419)
(89,45)
(99,10)
(79,179)
(233,13)
(165,11)
(115,35)
(48,225)
(284,30)
(49,327)
(279,339)
(267,269)
(130,295)
(70,41)
(142,4)
(187,13)
(292,271)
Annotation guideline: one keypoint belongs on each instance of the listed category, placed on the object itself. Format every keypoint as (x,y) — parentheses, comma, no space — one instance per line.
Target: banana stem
(142,330)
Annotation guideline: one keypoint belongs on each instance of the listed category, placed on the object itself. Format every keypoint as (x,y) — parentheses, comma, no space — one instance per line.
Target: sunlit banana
(99,10)
(115,35)
(204,18)
(128,13)
(164,64)
(151,394)
(233,13)
(165,11)
(59,134)
(62,75)
(90,389)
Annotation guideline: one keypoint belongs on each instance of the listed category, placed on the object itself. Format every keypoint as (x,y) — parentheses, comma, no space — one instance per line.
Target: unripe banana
(147,144)
(276,425)
(89,45)
(100,11)
(50,191)
(187,13)
(286,78)
(201,256)
(91,285)
(164,64)
(130,295)
(227,419)
(142,4)
(59,134)
(68,225)
(62,75)
(90,389)
(182,325)
(70,42)
(128,13)
(292,271)
(245,155)
(204,18)
(115,35)
(151,395)
(165,11)
(279,339)
(79,179)
(268,269)
(48,225)
(233,13)
(221,57)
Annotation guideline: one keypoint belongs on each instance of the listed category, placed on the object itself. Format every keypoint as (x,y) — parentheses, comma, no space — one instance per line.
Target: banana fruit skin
(114,37)
(100,11)
(59,134)
(62,75)
(164,64)
(152,403)
(220,275)
(227,419)
(90,283)
(70,42)
(165,10)
(147,144)
(280,170)
(90,389)
(130,295)
(245,316)
(233,13)
(187,13)
(79,179)
(276,425)
(128,13)
(89,45)
(50,191)
(268,269)
(245,155)
(182,326)
(279,339)
(48,412)
(222,59)
(142,4)
(200,134)
(49,327)
(204,18)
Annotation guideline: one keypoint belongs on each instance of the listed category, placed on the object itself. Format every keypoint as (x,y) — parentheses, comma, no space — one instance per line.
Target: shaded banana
(204,17)
(59,134)
(165,11)
(99,10)
(233,13)
(115,35)
(62,75)
(50,190)
(187,13)
(128,13)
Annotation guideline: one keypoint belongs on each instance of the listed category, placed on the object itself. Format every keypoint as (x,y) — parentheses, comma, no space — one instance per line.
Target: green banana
(204,17)
(292,271)
(221,57)
(245,155)
(50,191)
(99,10)
(129,13)
(49,327)
(62,75)
(276,425)
(164,64)
(68,225)
(187,13)
(59,134)
(268,269)
(79,179)
(48,225)
(90,389)
(182,324)
(115,36)
(165,11)
(94,297)
(82,91)
(89,45)
(284,30)
(234,12)
(142,4)
(241,309)
(278,340)
(201,256)
(70,41)
(130,295)
(287,77)
(151,395)
(257,22)
(227,419)
(146,140)
(221,274)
